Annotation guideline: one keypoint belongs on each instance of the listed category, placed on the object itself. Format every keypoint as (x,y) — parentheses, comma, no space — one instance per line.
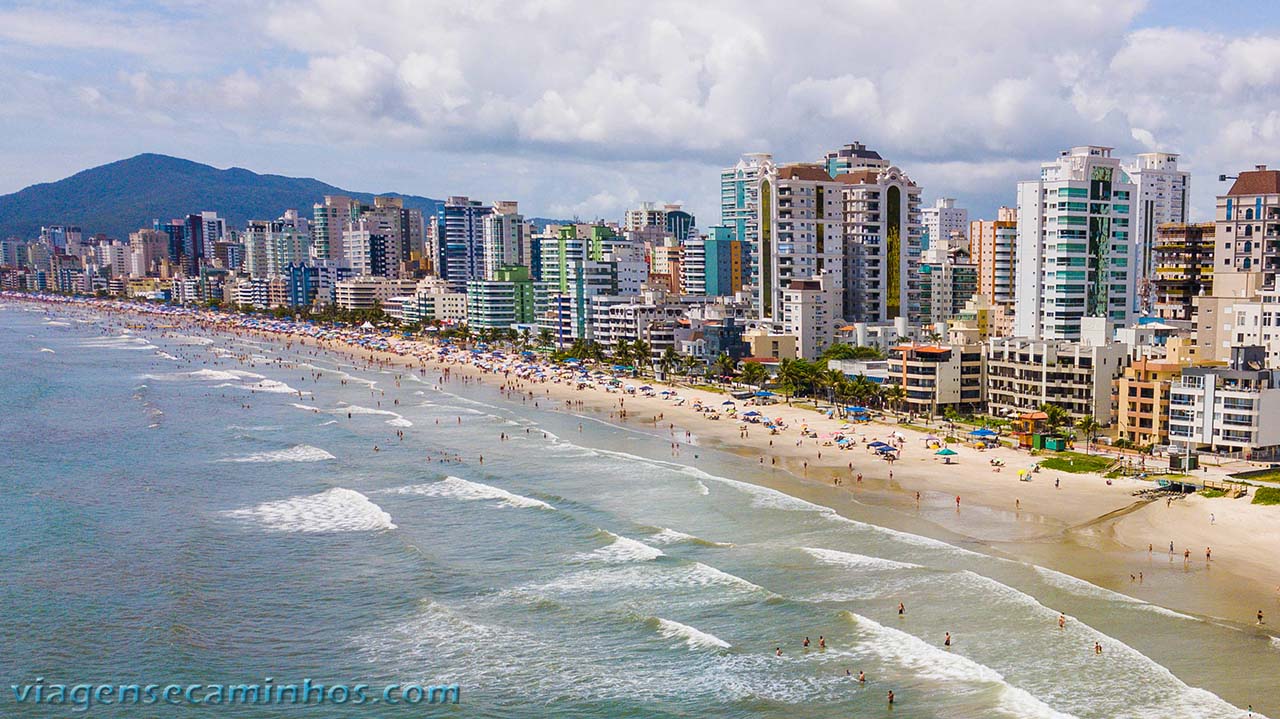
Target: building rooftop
(1257,182)
(810,172)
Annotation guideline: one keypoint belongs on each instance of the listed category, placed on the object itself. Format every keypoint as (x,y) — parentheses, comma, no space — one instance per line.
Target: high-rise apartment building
(942,219)
(328,220)
(1160,197)
(740,206)
(1074,247)
(457,241)
(503,235)
(882,244)
(723,264)
(991,248)
(1247,236)
(1182,263)
(801,235)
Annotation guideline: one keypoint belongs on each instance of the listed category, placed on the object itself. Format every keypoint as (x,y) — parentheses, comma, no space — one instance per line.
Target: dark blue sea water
(173,511)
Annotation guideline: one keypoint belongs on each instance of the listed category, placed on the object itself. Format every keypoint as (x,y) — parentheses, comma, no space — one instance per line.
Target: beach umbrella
(983,432)
(727,401)
(877,444)
(646,388)
(752,413)
(946,452)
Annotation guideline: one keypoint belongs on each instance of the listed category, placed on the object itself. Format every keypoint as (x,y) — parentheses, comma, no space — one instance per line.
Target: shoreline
(1085,528)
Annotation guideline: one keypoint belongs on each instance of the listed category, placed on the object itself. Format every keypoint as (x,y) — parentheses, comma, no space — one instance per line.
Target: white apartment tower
(1160,197)
(941,220)
(882,238)
(1074,248)
(503,236)
(801,234)
(740,207)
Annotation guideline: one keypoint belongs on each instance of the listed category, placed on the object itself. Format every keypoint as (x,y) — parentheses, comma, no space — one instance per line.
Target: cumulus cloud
(583,107)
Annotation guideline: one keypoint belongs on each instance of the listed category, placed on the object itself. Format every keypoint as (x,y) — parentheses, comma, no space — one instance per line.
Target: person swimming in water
(902,609)
(947,641)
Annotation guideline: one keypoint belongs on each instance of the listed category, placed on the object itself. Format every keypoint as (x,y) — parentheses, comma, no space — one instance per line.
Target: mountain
(120,197)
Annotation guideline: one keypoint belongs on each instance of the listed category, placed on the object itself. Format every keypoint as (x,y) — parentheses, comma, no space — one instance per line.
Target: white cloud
(583,107)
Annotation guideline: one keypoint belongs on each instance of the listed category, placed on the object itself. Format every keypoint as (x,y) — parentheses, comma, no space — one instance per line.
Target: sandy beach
(1078,524)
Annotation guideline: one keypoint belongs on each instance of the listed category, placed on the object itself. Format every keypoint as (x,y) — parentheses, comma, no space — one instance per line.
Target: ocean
(172,515)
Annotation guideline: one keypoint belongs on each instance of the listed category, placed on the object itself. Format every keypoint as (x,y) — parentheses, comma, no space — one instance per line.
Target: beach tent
(983,432)
(764,393)
(367,326)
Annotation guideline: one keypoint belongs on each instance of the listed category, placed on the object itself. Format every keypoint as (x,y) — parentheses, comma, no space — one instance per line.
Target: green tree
(754,374)
(725,366)
(1089,427)
(641,356)
(1055,416)
(893,395)
(545,338)
(622,353)
(669,361)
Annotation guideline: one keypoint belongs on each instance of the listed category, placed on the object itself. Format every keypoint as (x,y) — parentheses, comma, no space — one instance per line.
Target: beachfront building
(947,282)
(740,208)
(935,377)
(1023,374)
(1141,395)
(801,235)
(724,262)
(1228,410)
(455,237)
(665,260)
(649,317)
(1160,197)
(504,239)
(767,344)
(693,266)
(503,301)
(1247,235)
(807,309)
(992,245)
(574,269)
(1074,246)
(371,249)
(365,293)
(433,300)
(979,320)
(1182,267)
(882,237)
(940,220)
(328,220)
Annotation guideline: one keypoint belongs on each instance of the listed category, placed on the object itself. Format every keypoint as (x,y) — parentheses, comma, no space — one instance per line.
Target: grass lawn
(1266,495)
(1076,462)
(1212,493)
(1271,476)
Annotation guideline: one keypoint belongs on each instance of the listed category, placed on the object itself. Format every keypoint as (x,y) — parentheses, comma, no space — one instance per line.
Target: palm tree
(796,377)
(1089,427)
(545,338)
(725,366)
(641,356)
(622,353)
(1055,416)
(894,394)
(754,374)
(835,382)
(670,360)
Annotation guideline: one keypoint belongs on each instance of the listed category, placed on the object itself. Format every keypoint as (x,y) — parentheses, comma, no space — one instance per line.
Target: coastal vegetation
(1266,495)
(1077,463)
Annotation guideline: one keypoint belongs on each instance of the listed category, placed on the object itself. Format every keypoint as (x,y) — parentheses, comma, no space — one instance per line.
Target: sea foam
(298,453)
(333,510)
(689,636)
(458,488)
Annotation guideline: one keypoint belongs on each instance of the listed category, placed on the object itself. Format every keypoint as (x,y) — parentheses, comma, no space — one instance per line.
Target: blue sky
(586,108)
